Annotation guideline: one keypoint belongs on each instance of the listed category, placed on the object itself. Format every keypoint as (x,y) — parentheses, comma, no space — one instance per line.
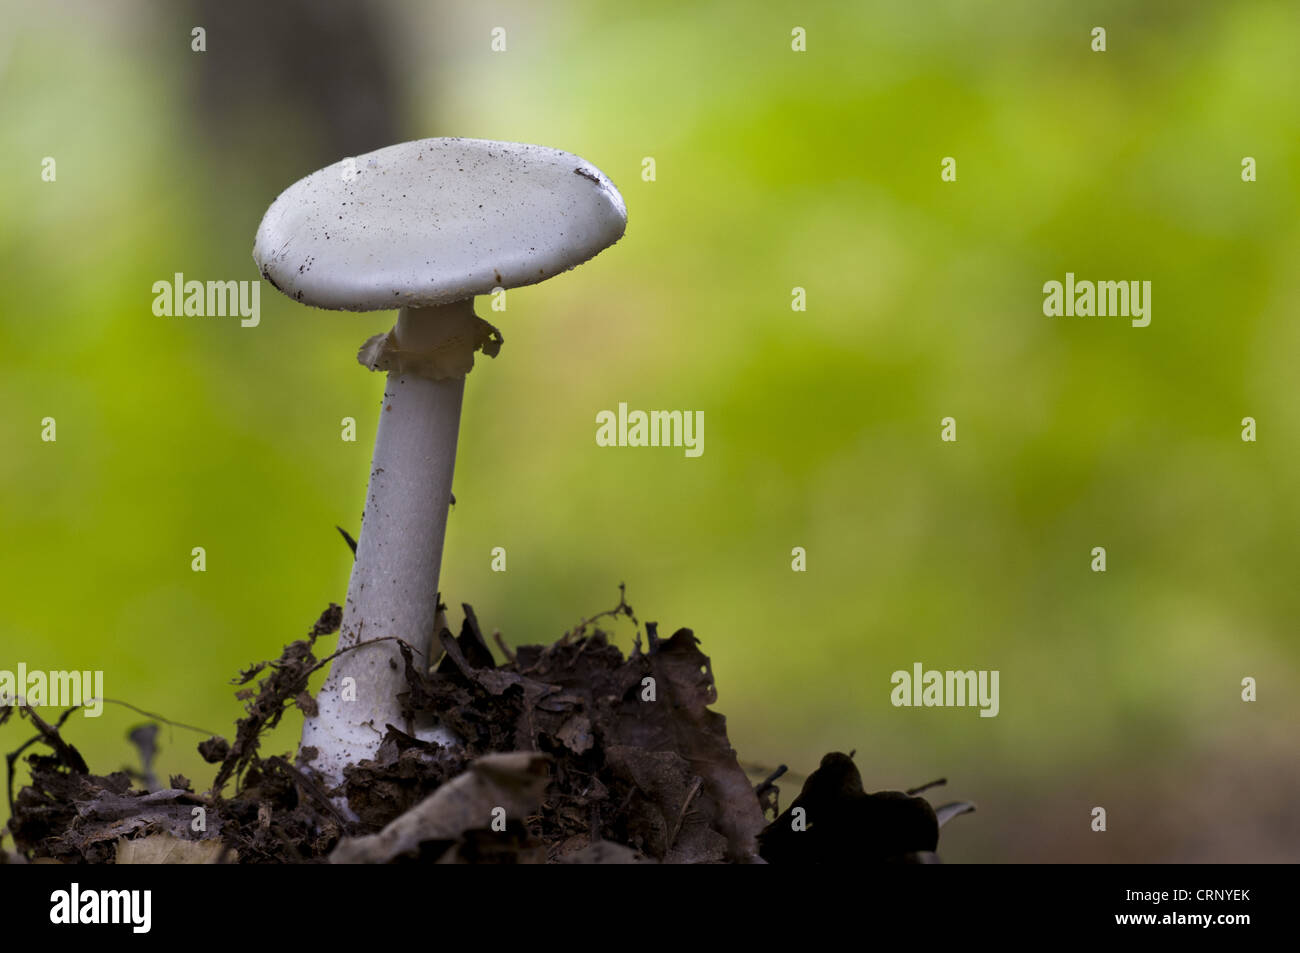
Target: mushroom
(423,227)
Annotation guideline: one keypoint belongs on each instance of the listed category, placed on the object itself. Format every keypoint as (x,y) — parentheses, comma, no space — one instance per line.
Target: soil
(572,753)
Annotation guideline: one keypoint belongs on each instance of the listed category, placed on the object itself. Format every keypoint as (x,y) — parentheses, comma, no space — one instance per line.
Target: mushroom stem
(393,590)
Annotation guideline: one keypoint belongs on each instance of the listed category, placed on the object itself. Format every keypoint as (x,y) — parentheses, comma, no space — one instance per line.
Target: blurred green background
(775,169)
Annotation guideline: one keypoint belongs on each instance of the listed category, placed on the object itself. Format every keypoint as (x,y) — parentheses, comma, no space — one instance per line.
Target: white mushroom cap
(433,221)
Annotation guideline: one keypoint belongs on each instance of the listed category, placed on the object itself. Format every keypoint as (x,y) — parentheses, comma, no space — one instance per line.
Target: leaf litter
(571,753)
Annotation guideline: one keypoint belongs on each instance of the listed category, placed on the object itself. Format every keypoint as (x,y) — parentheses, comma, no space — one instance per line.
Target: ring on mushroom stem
(420,226)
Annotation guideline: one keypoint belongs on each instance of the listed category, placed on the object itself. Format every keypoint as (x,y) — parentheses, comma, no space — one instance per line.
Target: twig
(752,768)
(681,815)
(68,754)
(926,787)
(310,787)
(621,609)
(359,645)
(768,782)
(156,717)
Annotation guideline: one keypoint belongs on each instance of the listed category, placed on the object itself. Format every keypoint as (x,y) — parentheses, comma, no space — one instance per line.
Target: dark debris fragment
(835,821)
